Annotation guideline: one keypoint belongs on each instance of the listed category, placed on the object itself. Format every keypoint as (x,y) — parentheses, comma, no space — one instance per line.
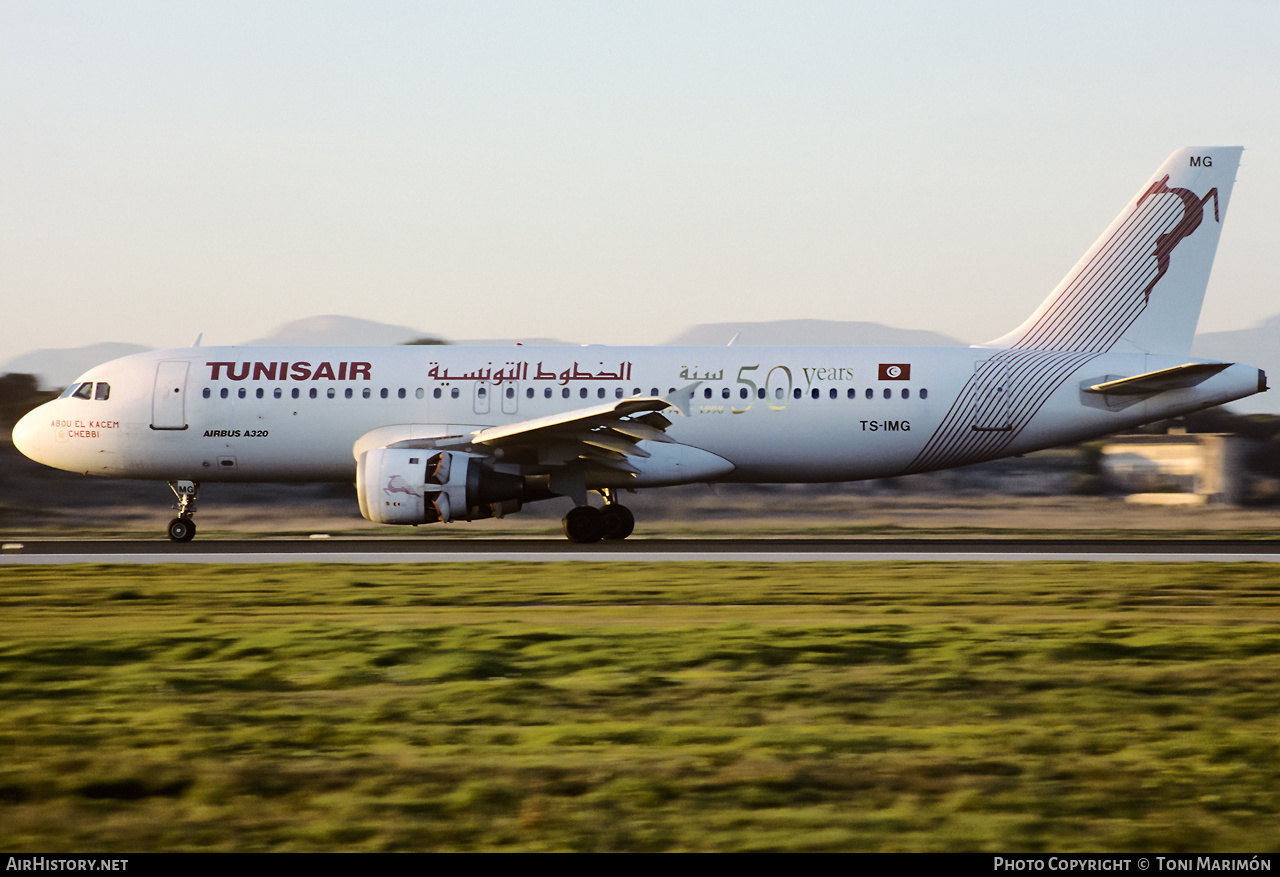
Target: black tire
(584,525)
(182,530)
(618,521)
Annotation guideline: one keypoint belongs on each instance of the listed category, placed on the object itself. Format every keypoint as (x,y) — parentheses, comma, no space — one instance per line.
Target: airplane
(443,434)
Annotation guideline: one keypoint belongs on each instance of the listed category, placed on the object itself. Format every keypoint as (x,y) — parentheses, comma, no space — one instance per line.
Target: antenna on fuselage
(197,341)
(733,340)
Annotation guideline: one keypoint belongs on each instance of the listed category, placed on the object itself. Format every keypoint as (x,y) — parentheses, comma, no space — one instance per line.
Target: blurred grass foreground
(578,706)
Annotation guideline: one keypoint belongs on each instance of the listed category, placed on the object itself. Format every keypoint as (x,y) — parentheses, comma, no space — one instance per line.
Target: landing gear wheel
(584,525)
(182,529)
(618,521)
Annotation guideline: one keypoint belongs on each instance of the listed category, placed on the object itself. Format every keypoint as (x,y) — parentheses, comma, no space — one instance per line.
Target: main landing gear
(586,524)
(182,528)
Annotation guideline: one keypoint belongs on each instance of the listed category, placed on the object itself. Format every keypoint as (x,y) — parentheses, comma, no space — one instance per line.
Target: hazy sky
(603,171)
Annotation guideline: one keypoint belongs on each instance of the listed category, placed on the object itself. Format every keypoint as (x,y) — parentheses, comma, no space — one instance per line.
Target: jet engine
(418,486)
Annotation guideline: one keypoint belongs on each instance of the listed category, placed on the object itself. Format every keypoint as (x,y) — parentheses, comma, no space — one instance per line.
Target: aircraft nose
(28,435)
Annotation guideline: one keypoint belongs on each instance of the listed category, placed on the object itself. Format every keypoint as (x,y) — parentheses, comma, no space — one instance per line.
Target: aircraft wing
(606,434)
(599,445)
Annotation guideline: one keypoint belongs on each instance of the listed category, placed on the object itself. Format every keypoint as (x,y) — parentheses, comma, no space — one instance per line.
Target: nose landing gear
(182,528)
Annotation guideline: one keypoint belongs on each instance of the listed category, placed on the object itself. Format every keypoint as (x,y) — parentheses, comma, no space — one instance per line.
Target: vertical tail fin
(1140,286)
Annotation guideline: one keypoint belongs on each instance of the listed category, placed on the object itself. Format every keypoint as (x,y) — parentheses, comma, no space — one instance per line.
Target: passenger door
(168,399)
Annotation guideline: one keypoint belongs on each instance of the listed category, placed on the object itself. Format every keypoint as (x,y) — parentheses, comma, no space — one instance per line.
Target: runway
(788,550)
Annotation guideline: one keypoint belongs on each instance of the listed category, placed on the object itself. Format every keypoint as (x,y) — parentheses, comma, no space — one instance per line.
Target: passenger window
(511,392)
(816,393)
(242,393)
(797,393)
(888,394)
(260,393)
(906,394)
(366,392)
(871,394)
(617,394)
(600,393)
(419,393)
(582,394)
(742,394)
(528,392)
(706,393)
(102,392)
(435,394)
(777,394)
(314,392)
(349,393)
(724,394)
(296,393)
(760,393)
(853,394)
(635,391)
(277,392)
(833,393)
(924,394)
(564,394)
(480,391)
(223,393)
(331,392)
(383,392)
(85,391)
(653,392)
(454,393)
(207,393)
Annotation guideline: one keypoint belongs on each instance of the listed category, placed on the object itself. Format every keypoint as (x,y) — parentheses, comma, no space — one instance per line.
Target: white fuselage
(777,414)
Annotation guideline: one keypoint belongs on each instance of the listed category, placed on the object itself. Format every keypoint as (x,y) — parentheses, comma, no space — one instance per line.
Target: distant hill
(337,330)
(56,367)
(509,342)
(809,332)
(1259,346)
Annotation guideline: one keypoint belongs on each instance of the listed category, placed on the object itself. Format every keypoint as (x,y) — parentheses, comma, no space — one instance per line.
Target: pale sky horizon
(608,173)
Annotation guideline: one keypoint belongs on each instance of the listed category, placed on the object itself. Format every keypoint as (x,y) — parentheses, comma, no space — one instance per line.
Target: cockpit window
(84,391)
(102,391)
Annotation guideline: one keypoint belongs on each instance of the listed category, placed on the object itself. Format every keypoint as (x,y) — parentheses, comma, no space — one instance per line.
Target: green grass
(578,706)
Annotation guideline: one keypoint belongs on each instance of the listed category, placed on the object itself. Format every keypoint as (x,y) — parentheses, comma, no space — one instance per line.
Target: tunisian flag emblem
(895,371)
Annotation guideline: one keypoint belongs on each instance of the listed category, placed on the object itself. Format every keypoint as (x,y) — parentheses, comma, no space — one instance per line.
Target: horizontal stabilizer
(1177,378)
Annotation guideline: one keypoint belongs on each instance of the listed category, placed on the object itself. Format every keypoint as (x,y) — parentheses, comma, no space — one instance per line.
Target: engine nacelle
(418,486)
